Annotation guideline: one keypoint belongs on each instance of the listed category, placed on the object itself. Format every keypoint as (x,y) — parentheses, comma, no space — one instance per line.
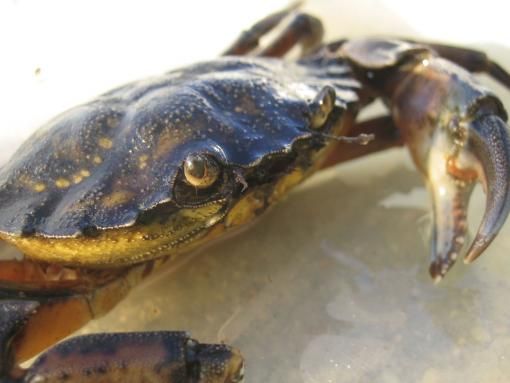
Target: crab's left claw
(451,169)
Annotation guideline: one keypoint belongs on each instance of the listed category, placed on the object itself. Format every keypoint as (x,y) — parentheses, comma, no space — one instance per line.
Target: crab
(108,191)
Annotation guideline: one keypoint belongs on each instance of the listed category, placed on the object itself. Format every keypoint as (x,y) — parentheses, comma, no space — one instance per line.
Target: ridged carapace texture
(101,164)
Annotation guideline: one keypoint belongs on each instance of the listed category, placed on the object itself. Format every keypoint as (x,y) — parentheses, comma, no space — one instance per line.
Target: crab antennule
(489,142)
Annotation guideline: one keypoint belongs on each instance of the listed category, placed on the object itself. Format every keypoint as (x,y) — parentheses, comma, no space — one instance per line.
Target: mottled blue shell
(103,163)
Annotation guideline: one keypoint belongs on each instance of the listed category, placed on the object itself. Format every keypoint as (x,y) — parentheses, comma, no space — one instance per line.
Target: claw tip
(440,267)
(477,248)
(436,271)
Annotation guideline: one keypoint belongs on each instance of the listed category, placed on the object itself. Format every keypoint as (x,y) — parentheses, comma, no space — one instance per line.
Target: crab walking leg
(27,327)
(63,307)
(456,132)
(249,39)
(301,28)
(13,317)
(170,357)
(472,60)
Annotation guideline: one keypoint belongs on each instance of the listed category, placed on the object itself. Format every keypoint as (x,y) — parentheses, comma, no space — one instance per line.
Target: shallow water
(332,285)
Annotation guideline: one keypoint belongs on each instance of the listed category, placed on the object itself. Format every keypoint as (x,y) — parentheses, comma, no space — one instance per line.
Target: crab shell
(102,184)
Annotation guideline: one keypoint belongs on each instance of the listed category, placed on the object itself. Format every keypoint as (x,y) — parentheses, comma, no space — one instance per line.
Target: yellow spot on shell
(84,173)
(62,183)
(116,198)
(105,143)
(142,161)
(39,187)
(97,160)
(77,178)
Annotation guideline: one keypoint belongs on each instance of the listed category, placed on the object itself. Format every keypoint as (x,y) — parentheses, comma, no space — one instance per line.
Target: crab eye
(201,170)
(321,107)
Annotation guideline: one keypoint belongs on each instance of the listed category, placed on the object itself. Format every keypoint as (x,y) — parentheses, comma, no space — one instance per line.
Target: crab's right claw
(481,153)
(454,127)
(489,142)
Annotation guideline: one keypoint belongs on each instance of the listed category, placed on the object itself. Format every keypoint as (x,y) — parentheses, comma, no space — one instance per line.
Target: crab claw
(489,142)
(449,199)
(455,130)
(484,156)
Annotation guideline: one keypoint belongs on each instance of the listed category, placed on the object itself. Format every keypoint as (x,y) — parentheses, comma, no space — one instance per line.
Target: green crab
(109,190)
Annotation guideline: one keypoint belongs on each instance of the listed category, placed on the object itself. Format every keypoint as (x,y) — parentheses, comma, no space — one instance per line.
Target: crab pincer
(166,356)
(454,128)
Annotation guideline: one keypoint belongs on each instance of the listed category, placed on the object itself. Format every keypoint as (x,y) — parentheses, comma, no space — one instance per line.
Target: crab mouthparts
(485,157)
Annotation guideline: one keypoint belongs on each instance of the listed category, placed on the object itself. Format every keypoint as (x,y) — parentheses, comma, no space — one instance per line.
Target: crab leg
(472,60)
(61,310)
(13,317)
(249,39)
(455,130)
(165,356)
(30,325)
(301,28)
